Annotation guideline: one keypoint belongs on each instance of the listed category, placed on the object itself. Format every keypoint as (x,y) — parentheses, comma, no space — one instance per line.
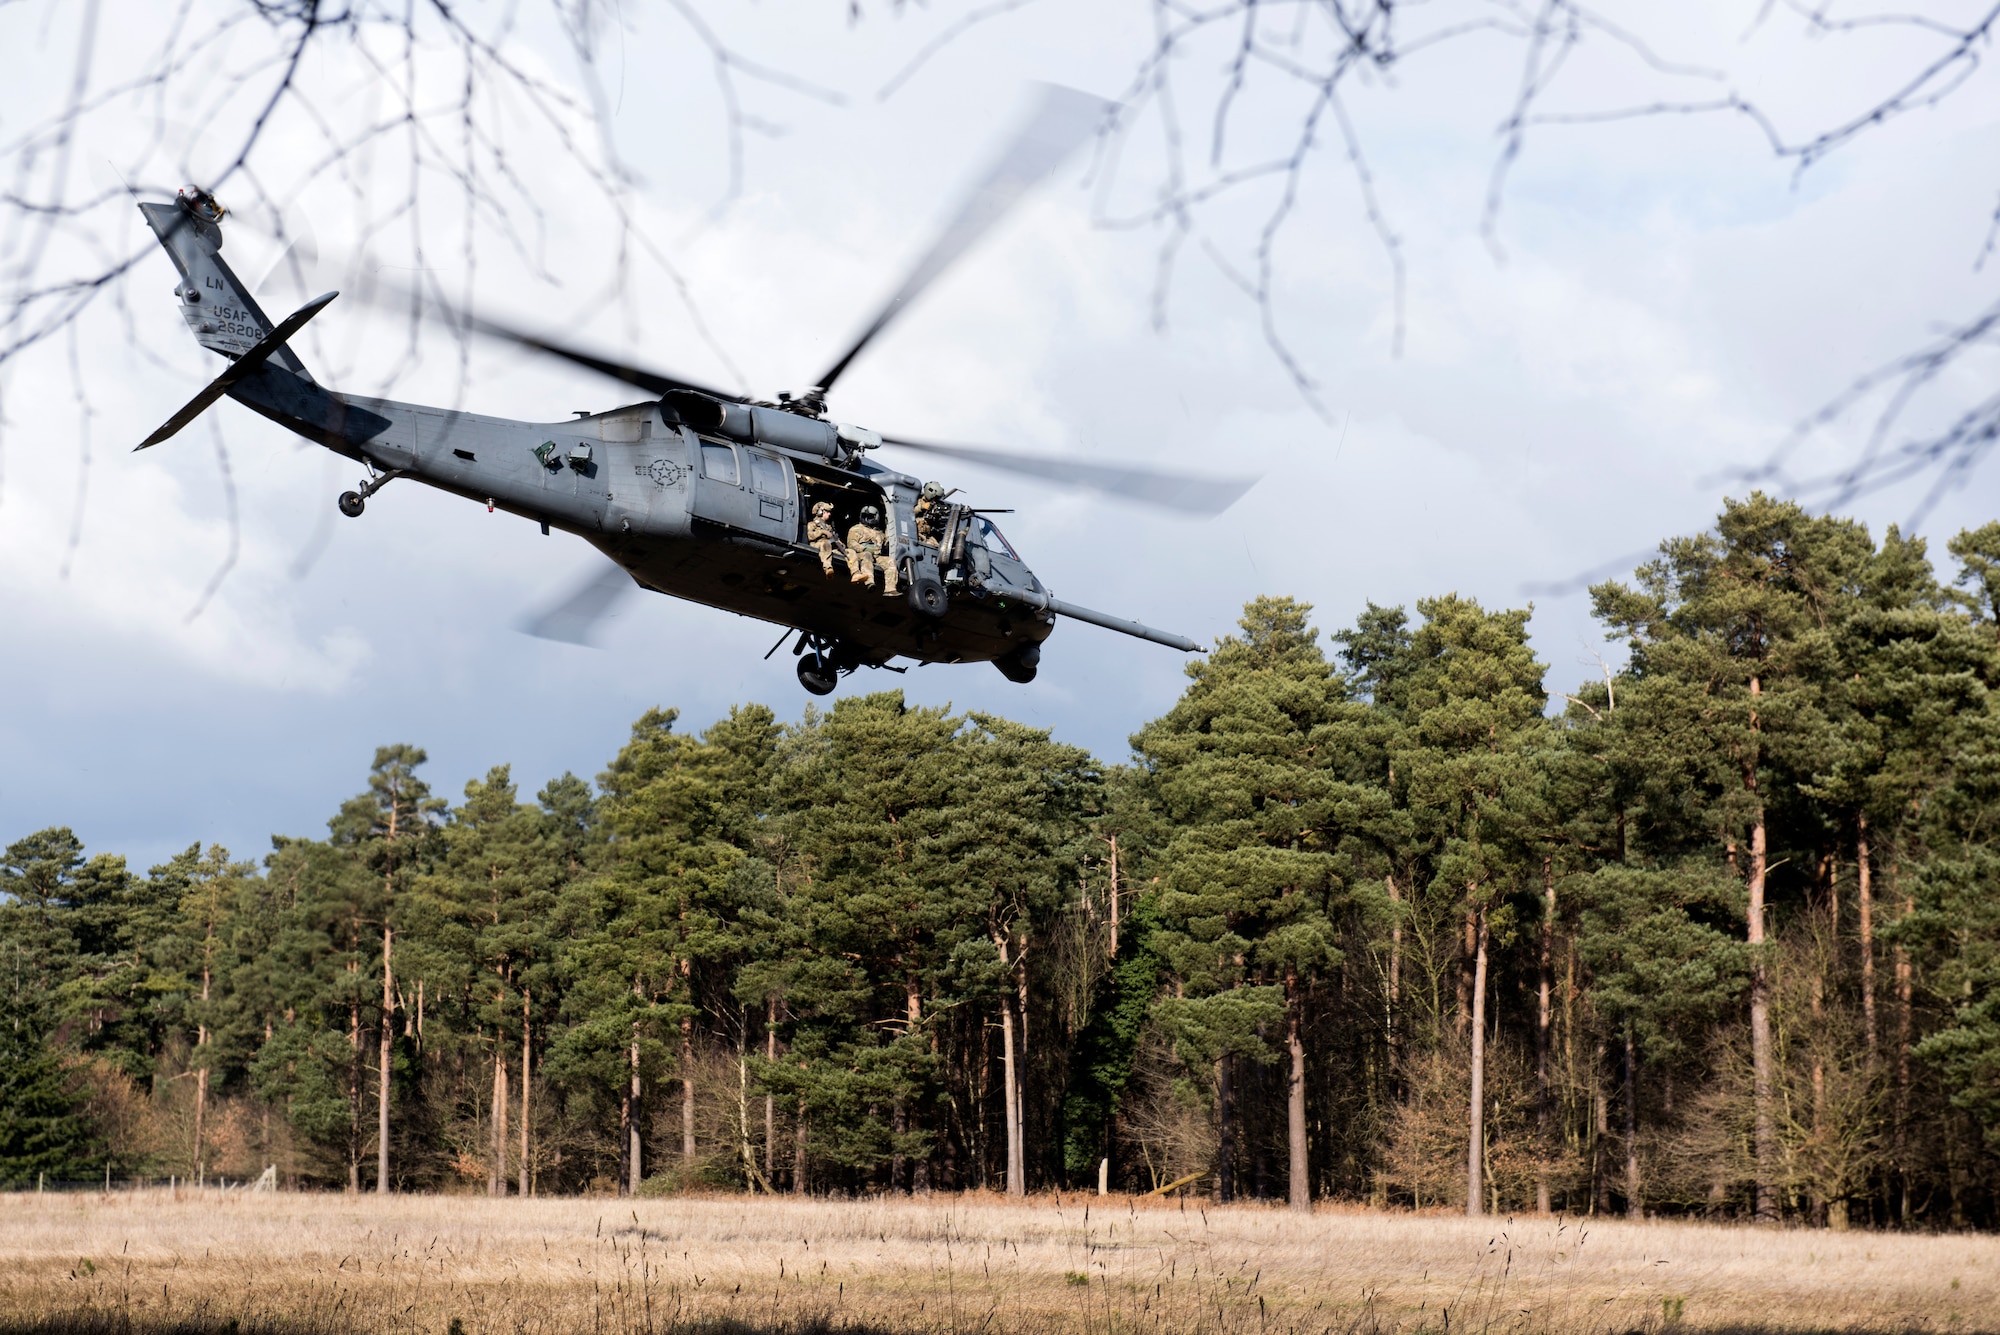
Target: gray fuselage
(699,517)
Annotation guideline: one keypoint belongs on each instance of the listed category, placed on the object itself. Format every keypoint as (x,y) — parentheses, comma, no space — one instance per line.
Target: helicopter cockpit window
(718,462)
(984,531)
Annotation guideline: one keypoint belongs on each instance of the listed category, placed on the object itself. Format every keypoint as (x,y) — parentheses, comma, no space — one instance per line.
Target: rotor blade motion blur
(1061,120)
(653,382)
(576,616)
(393,296)
(1206,496)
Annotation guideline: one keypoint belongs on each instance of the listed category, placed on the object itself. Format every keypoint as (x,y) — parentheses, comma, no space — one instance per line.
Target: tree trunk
(353,1090)
(1021,995)
(743,1107)
(1114,896)
(1905,1024)
(527,1073)
(1017,1174)
(1466,966)
(1010,1093)
(201,1069)
(1225,1108)
(976,1143)
(1825,960)
(264,1141)
(497,1179)
(1763,1076)
(383,1071)
(687,1091)
(1475,1154)
(200,1106)
(1600,1125)
(799,1153)
(634,1165)
(899,1129)
(1543,1018)
(920,1173)
(1395,968)
(770,1099)
(1298,1177)
(1865,911)
(625,1111)
(1635,1203)
(913,1017)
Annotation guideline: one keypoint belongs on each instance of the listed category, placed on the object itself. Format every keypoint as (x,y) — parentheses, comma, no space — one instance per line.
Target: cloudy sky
(1658,304)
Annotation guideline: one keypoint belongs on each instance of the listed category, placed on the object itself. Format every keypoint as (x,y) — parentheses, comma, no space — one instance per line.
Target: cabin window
(768,474)
(991,537)
(718,463)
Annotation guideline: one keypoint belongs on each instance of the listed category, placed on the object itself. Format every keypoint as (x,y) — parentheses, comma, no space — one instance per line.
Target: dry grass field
(329,1265)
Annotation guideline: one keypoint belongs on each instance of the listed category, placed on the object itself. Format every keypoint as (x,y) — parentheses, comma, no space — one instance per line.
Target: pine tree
(1471,698)
(197,966)
(1240,767)
(387,828)
(880,929)
(42,1130)
(1943,774)
(1731,634)
(480,918)
(38,880)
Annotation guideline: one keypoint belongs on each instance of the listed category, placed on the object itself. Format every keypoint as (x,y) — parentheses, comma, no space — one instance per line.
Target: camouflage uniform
(819,534)
(931,515)
(867,552)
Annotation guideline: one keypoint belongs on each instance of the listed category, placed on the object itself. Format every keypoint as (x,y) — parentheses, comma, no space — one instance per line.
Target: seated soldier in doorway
(868,550)
(819,534)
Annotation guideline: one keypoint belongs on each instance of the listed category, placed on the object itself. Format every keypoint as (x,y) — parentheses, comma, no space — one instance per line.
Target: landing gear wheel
(352,504)
(817,674)
(927,595)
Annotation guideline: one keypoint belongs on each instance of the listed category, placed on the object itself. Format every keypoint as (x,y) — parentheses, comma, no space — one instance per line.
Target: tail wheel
(352,504)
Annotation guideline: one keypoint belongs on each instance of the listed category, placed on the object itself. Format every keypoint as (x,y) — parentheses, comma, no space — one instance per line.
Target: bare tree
(1229,184)
(416,113)
(432,157)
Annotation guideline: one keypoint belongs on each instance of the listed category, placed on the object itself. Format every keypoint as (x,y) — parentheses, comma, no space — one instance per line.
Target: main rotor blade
(1060,121)
(653,382)
(394,296)
(1207,496)
(572,618)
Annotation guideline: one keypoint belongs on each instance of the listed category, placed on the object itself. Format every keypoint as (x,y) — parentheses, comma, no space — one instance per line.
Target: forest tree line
(1367,919)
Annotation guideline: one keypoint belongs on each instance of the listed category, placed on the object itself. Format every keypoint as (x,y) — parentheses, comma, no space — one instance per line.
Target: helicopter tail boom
(266,348)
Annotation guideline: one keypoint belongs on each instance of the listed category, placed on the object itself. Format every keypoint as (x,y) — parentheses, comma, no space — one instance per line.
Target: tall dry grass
(965,1265)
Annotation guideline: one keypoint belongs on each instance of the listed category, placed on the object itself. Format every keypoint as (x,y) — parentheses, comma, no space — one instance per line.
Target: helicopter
(699,493)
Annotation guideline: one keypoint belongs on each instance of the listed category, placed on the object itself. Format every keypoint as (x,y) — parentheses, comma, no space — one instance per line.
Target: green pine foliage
(1714,932)
(43,1130)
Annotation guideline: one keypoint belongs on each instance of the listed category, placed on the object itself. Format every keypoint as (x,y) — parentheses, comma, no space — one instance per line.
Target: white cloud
(1667,307)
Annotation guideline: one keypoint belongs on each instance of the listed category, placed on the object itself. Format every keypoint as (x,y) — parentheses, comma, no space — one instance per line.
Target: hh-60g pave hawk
(699,493)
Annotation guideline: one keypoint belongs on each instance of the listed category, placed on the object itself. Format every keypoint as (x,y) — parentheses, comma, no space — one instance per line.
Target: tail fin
(220,311)
(272,344)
